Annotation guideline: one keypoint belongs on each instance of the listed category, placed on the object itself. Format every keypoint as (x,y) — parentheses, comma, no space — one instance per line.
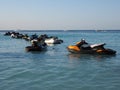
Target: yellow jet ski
(85,48)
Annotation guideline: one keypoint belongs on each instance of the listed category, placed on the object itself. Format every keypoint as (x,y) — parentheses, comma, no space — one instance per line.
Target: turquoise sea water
(56,68)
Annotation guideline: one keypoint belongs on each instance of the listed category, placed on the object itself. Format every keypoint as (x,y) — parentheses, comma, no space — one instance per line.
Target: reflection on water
(89,56)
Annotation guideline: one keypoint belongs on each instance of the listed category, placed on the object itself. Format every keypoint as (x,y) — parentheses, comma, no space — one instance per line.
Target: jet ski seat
(97,45)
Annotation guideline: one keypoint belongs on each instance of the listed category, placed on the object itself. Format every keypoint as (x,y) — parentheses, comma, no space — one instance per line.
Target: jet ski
(85,48)
(53,41)
(36,46)
(32,48)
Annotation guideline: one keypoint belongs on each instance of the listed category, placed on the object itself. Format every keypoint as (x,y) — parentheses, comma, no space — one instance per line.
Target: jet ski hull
(31,48)
(73,49)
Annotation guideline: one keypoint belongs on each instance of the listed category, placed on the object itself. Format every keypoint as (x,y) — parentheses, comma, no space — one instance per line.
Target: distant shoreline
(58,30)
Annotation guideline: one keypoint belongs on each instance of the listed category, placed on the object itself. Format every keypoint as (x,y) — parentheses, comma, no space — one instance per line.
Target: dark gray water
(56,68)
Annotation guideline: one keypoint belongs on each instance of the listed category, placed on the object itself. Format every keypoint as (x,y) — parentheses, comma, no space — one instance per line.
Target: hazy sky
(59,14)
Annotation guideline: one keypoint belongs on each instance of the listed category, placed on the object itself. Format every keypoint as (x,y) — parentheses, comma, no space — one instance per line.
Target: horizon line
(54,29)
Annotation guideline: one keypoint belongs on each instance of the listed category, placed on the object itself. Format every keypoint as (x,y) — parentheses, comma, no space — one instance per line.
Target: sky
(59,14)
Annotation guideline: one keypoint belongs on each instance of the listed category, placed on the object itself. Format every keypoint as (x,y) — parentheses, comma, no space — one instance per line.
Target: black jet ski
(36,46)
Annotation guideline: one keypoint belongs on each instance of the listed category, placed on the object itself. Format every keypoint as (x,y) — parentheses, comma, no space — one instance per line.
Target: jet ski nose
(68,47)
(74,47)
(114,52)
